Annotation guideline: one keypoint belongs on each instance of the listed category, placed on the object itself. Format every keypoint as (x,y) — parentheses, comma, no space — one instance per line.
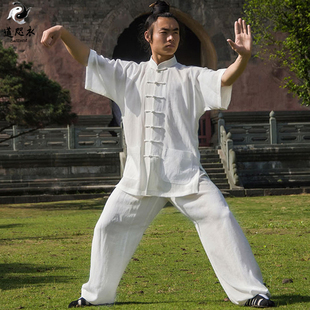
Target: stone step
(55,190)
(16,199)
(23,161)
(214,170)
(217,181)
(112,180)
(217,175)
(212,158)
(286,172)
(222,186)
(87,185)
(59,186)
(207,150)
(226,192)
(211,162)
(277,183)
(212,165)
(102,189)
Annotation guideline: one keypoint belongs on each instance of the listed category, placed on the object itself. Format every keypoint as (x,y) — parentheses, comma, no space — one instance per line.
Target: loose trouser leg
(116,237)
(224,242)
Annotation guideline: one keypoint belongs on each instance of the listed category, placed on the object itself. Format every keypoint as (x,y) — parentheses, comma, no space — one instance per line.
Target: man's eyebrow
(167,29)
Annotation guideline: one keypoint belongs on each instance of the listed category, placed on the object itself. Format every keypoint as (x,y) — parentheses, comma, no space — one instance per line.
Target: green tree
(281,30)
(29,99)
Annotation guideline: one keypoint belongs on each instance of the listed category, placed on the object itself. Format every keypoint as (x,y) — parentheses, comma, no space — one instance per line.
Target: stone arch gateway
(119,28)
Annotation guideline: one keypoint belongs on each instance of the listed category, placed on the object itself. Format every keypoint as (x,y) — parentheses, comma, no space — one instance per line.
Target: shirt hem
(191,188)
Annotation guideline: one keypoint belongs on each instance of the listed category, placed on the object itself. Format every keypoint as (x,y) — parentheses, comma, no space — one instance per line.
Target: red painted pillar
(204,133)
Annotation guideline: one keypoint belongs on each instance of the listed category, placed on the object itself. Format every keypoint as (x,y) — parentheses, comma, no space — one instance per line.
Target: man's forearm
(234,71)
(78,50)
(75,47)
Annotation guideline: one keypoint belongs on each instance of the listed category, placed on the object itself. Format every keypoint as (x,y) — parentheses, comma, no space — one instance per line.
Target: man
(161,102)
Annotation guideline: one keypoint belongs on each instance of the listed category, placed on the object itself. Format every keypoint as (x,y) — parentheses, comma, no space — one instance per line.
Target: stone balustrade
(229,156)
(293,133)
(251,152)
(80,157)
(105,139)
(271,132)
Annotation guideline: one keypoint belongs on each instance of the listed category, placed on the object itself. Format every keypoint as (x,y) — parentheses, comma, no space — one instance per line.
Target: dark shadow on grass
(39,238)
(287,299)
(145,303)
(94,204)
(280,300)
(126,303)
(138,303)
(14,275)
(8,226)
(149,302)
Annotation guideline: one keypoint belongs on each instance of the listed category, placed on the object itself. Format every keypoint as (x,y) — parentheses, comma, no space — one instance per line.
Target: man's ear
(147,36)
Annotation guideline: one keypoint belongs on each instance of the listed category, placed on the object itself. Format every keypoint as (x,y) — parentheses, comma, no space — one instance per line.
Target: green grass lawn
(45,253)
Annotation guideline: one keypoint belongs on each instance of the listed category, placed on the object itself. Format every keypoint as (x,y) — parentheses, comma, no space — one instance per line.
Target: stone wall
(38,166)
(100,23)
(279,166)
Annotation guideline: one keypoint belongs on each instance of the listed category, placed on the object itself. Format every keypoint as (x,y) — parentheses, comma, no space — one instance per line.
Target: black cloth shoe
(81,302)
(260,302)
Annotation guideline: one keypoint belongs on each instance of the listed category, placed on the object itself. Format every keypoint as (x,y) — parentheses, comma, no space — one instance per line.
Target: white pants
(125,218)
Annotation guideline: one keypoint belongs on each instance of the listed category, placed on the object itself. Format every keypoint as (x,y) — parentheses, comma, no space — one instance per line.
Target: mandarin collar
(163,65)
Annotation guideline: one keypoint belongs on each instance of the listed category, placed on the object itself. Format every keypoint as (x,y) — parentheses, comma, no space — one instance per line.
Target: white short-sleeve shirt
(161,106)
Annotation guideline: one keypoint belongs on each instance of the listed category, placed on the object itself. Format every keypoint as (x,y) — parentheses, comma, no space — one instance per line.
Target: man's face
(165,40)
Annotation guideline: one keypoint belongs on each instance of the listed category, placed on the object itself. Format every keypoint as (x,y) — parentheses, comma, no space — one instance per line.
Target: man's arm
(78,50)
(243,46)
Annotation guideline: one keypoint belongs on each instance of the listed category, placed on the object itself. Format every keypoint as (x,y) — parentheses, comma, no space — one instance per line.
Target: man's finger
(52,40)
(237,28)
(232,44)
(45,39)
(241,25)
(249,30)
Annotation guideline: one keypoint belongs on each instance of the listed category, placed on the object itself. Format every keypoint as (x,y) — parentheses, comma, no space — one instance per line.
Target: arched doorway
(196,50)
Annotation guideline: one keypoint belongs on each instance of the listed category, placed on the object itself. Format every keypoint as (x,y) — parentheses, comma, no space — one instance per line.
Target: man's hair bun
(160,7)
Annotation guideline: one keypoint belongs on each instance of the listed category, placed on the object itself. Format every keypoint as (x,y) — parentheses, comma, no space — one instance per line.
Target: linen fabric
(126,217)
(161,106)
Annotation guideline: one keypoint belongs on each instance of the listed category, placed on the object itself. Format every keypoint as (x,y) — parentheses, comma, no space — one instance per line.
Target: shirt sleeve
(106,77)
(213,94)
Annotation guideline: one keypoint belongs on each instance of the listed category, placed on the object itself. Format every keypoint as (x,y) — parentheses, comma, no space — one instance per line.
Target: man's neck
(161,58)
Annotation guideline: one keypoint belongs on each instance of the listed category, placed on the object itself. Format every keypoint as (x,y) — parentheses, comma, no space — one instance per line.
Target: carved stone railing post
(71,136)
(229,156)
(223,139)
(232,166)
(231,160)
(15,140)
(229,146)
(273,128)
(221,122)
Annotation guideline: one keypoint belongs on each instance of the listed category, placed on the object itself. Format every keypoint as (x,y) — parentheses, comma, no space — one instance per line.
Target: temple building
(113,29)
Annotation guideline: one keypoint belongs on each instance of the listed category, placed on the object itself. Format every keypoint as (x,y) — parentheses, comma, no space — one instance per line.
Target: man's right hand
(51,35)
(77,49)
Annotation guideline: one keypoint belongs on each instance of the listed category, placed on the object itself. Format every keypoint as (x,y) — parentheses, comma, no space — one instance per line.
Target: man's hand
(78,50)
(243,46)
(243,39)
(51,35)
